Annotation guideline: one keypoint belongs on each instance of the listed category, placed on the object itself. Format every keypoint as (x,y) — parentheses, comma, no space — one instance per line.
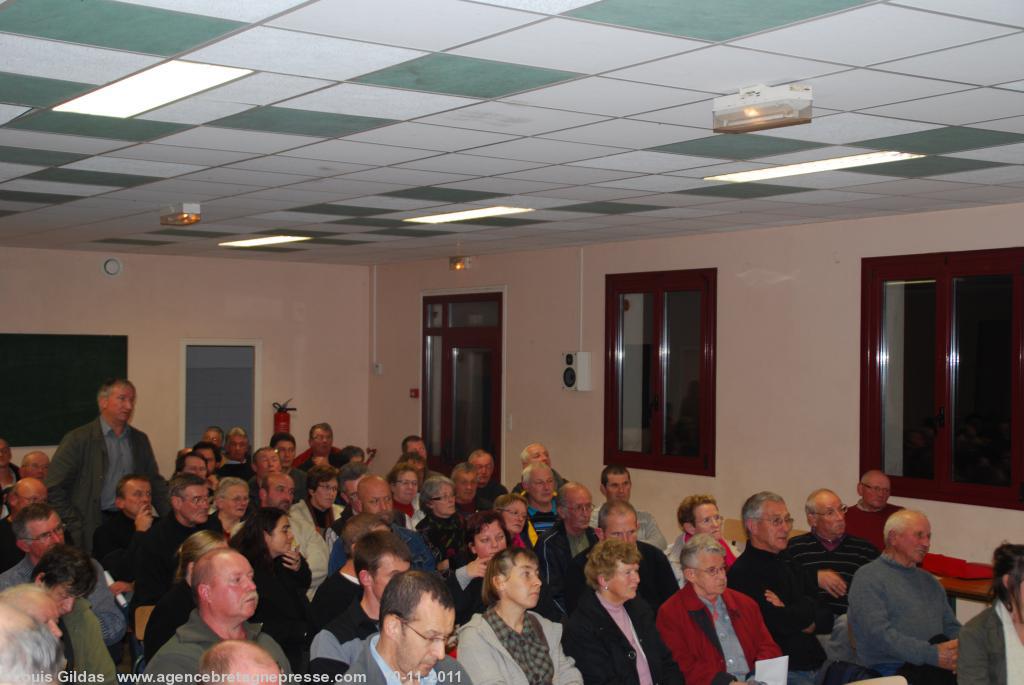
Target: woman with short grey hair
(441,527)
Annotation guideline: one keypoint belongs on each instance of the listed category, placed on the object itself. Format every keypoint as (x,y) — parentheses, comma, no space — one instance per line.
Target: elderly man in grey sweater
(900,618)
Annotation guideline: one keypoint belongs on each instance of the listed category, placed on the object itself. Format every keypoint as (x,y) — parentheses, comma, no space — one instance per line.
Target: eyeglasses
(443,498)
(53,533)
(514,514)
(778,521)
(448,641)
(831,513)
(407,482)
(714,571)
(327,488)
(711,520)
(581,508)
(877,489)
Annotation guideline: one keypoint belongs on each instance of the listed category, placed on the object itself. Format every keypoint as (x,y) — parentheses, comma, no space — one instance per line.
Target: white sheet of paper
(772,671)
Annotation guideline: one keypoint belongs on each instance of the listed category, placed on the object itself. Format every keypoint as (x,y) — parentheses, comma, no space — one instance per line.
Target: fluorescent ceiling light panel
(815,167)
(152,88)
(269,240)
(468,214)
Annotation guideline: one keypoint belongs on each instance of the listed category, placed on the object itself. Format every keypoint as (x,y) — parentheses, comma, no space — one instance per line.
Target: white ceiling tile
(654,183)
(820,197)
(998,11)
(695,116)
(262,88)
(610,97)
(9,112)
(435,25)
(719,169)
(569,175)
(1010,124)
(832,179)
(180,155)
(9,171)
(561,43)
(1010,154)
(911,186)
(849,127)
(905,204)
(236,140)
(441,138)
(157,197)
(862,88)
(248,11)
(33,186)
(723,69)
(504,185)
(647,162)
(184,187)
(302,54)
(345,187)
(965,107)
(871,34)
(9,206)
(993,175)
(501,117)
(396,203)
(265,179)
(531,201)
(359,153)
(470,165)
(67,61)
(540,150)
(121,165)
(296,165)
(289,196)
(371,101)
(291,218)
(194,111)
(814,155)
(985,63)
(58,142)
(629,133)
(409,177)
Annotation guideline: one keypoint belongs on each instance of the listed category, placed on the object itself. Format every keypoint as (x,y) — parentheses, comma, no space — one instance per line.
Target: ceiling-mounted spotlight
(180,214)
(756,108)
(459,263)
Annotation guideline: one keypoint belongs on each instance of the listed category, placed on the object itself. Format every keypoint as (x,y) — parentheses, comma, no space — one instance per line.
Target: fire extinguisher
(282,421)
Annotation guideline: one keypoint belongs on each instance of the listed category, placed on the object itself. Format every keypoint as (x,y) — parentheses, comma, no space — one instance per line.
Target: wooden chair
(142,614)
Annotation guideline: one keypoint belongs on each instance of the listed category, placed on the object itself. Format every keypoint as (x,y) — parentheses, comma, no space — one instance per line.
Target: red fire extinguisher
(282,421)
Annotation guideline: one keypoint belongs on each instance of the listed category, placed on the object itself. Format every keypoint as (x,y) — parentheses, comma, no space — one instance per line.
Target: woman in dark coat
(440,527)
(985,656)
(282,577)
(611,634)
(486,537)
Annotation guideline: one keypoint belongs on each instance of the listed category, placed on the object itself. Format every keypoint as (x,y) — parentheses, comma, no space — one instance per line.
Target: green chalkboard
(49,382)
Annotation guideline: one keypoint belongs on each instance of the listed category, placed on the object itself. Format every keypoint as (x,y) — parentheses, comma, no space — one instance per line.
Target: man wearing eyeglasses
(417,619)
(785,591)
(867,518)
(157,557)
(572,535)
(38,529)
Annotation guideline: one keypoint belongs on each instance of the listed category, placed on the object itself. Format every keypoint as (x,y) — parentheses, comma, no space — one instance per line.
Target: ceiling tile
(133,241)
(980,194)
(28,156)
(263,179)
(262,88)
(441,194)
(1009,154)
(965,107)
(369,101)
(236,141)
(9,171)
(985,63)
(179,154)
(436,25)
(925,166)
(654,183)
(848,127)
(814,155)
(569,175)
(410,177)
(941,140)
(300,122)
(35,91)
(339,210)
(440,138)
(359,153)
(302,54)
(93,126)
(995,175)
(862,88)
(1010,124)
(471,165)
(507,185)
(576,46)
(194,111)
(628,133)
(77,63)
(248,11)
(694,116)
(726,146)
(296,165)
(608,208)
(410,232)
(455,75)
(998,11)
(714,21)
(344,188)
(743,190)
(832,179)
(876,33)
(53,188)
(10,112)
(911,186)
(89,177)
(611,97)
(191,233)
(540,150)
(500,117)
(723,69)
(646,161)
(700,171)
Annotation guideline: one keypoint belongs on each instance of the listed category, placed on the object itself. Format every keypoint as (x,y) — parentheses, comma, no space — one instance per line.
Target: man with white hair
(31,653)
(900,618)
(539,486)
(534,453)
(242,660)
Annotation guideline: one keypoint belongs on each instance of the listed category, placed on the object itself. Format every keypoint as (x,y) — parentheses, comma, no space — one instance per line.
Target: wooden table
(958,588)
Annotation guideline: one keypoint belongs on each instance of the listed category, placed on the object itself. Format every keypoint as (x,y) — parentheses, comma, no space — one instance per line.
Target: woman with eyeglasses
(230,500)
(282,577)
(440,527)
(992,643)
(312,520)
(486,537)
(405,485)
(698,515)
(612,634)
(516,518)
(508,644)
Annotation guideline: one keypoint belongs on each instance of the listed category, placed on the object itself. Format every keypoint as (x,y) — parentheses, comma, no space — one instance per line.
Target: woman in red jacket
(692,620)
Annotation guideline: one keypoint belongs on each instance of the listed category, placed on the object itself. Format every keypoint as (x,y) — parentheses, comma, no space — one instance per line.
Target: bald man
(241,659)
(35,465)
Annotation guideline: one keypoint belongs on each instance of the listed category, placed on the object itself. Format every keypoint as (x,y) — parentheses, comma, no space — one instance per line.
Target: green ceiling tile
(133,241)
(743,190)
(299,232)
(501,222)
(376,223)
(333,241)
(409,232)
(113,25)
(925,166)
(607,208)
(712,20)
(40,198)
(340,210)
(96,127)
(442,194)
(95,178)
(190,233)
(38,92)
(737,146)
(300,122)
(469,76)
(939,141)
(24,155)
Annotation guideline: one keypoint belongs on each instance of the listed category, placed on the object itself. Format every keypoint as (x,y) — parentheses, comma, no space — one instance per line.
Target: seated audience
(236,456)
(239,661)
(348,485)
(156,561)
(992,643)
(698,515)
(226,598)
(174,608)
(486,538)
(534,453)
(282,578)
(342,588)
(508,643)
(866,519)
(211,455)
(35,464)
(25,492)
(516,519)
(321,447)
(30,652)
(901,621)
(312,519)
(488,488)
(716,635)
(349,454)
(617,485)
(377,558)
(117,541)
(785,591)
(190,461)
(8,471)
(276,490)
(612,634)
(417,620)
(570,537)
(441,527)
(265,461)
(405,487)
(215,436)
(230,501)
(539,487)
(464,481)
(37,603)
(284,445)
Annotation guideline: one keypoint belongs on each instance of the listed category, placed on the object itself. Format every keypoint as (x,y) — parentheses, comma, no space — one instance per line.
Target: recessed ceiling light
(468,214)
(149,89)
(269,240)
(815,167)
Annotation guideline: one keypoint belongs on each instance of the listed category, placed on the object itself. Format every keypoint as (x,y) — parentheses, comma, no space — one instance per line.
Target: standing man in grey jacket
(91,459)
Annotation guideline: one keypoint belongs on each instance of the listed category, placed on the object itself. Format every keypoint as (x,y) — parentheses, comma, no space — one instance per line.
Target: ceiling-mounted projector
(180,214)
(756,108)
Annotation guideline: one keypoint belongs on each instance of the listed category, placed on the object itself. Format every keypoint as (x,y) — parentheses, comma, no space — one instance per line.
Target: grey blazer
(982,651)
